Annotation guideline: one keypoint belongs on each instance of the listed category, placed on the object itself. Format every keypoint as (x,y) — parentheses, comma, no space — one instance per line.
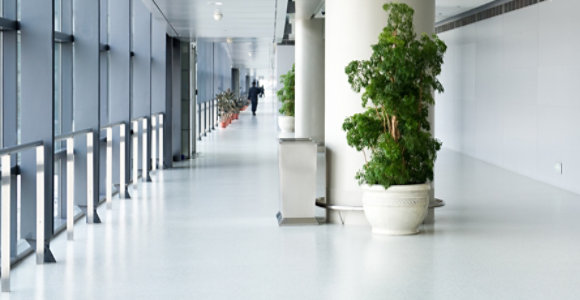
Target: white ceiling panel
(252,26)
(195,18)
(448,8)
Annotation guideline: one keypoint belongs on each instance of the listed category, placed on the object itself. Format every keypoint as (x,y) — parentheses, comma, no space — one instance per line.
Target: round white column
(309,76)
(351,28)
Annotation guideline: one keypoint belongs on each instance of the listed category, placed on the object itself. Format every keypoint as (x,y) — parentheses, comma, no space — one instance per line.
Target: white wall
(284,61)
(511,95)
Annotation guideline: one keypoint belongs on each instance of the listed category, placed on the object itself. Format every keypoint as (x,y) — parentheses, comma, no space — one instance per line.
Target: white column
(161,141)
(309,76)
(153,142)
(351,28)
(109,169)
(122,165)
(90,179)
(135,146)
(70,187)
(144,155)
(5,230)
(40,204)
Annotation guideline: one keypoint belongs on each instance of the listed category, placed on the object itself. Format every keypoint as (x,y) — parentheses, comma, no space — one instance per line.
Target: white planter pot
(286,123)
(398,210)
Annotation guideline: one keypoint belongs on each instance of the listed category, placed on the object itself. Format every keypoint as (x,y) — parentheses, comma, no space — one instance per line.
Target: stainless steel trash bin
(297,159)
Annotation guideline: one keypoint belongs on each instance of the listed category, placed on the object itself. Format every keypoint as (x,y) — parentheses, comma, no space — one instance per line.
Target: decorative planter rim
(397,188)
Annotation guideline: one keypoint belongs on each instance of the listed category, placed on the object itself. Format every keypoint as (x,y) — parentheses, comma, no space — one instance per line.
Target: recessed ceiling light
(229,40)
(217,15)
(249,53)
(218,3)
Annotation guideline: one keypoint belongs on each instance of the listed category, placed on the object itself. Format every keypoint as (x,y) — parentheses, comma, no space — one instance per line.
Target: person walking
(253,96)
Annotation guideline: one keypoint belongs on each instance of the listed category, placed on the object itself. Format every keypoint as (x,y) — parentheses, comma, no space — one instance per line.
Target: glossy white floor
(207,230)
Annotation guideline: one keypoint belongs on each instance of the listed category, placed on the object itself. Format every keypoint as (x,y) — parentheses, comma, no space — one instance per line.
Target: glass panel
(1,84)
(57,89)
(105,99)
(57,191)
(104,39)
(58,92)
(18,88)
(57,15)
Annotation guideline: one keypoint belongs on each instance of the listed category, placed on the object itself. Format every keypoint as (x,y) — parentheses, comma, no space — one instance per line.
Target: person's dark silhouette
(253,96)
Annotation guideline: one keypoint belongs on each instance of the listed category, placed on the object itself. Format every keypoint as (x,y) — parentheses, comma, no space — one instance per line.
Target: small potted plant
(393,132)
(227,107)
(286,96)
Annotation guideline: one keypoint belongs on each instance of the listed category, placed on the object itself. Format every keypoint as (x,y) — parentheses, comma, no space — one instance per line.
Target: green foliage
(227,103)
(286,93)
(397,84)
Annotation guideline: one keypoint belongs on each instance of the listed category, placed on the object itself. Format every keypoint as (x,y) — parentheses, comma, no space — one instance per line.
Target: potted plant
(393,132)
(227,107)
(286,96)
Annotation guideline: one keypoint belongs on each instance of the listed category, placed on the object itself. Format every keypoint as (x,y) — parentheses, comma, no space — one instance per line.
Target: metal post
(212,114)
(90,179)
(5,230)
(160,141)
(199,121)
(40,205)
(205,118)
(122,157)
(208,116)
(70,187)
(109,169)
(135,147)
(145,175)
(153,143)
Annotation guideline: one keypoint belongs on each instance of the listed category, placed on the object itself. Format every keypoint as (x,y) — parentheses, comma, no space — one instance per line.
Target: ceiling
(252,27)
(249,26)
(448,8)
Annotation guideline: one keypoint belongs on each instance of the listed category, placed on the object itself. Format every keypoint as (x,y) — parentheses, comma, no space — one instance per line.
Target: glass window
(18,88)
(57,120)
(57,89)
(58,15)
(104,36)
(1,84)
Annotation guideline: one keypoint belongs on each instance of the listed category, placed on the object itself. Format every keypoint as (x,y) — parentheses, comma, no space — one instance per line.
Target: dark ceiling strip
(60,37)
(291,8)
(8,25)
(104,47)
(165,17)
(490,10)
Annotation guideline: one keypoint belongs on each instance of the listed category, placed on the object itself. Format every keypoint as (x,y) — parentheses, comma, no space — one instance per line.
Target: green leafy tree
(286,93)
(397,83)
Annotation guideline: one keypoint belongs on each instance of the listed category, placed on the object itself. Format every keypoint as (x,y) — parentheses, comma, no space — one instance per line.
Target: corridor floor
(207,230)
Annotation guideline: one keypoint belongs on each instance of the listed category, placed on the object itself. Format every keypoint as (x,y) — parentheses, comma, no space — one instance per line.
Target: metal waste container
(297,159)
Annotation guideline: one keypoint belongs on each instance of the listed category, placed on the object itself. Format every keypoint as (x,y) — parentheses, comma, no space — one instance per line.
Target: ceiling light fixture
(229,40)
(217,15)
